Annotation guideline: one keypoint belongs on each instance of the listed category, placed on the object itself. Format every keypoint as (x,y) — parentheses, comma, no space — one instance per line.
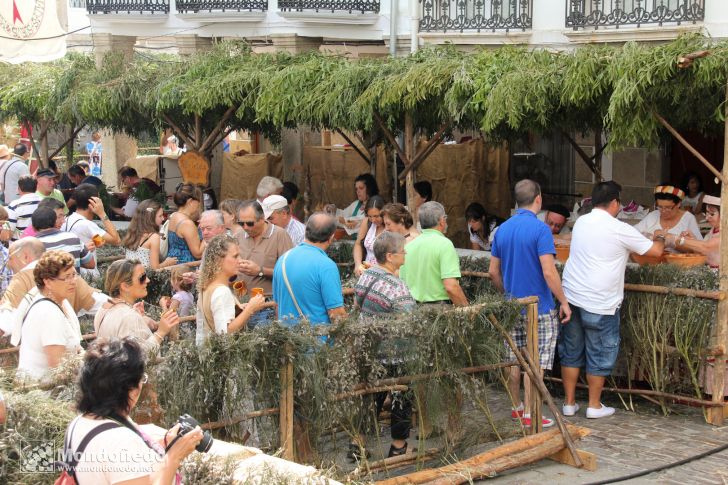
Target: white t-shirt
(45,324)
(82,227)
(222,305)
(113,456)
(687,222)
(10,173)
(593,278)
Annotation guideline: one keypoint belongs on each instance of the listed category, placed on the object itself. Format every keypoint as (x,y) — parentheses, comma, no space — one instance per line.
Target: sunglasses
(145,378)
(143,278)
(246,223)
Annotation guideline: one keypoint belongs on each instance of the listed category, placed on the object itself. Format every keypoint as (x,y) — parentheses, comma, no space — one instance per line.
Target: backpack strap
(288,284)
(70,466)
(25,317)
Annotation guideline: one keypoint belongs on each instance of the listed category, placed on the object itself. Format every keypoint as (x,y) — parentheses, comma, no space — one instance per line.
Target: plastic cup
(256,292)
(98,240)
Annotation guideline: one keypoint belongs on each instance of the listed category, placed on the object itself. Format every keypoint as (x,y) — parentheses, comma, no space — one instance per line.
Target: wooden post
(720,329)
(409,150)
(286,411)
(532,349)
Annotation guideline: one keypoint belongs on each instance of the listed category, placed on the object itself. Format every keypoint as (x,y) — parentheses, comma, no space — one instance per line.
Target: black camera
(186,424)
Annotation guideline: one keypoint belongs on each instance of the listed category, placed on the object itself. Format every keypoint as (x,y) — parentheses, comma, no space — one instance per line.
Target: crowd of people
(402,260)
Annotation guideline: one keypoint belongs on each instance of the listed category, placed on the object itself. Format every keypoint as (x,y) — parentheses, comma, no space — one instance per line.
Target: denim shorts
(263,317)
(590,340)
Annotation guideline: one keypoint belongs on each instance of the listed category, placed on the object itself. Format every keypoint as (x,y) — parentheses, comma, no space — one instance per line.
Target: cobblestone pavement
(624,443)
(630,442)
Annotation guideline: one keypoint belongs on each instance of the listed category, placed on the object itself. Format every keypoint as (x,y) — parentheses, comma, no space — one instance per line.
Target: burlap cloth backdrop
(146,167)
(464,173)
(329,175)
(240,175)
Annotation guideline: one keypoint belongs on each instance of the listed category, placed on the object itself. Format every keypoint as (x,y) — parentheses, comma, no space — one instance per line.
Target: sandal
(355,452)
(394,451)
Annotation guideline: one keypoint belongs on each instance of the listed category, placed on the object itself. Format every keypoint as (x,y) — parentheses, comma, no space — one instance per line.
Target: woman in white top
(370,228)
(126,284)
(142,239)
(669,217)
(710,246)
(110,384)
(50,328)
(693,188)
(216,303)
(365,186)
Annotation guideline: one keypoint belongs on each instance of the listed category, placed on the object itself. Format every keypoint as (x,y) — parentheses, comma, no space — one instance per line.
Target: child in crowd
(182,300)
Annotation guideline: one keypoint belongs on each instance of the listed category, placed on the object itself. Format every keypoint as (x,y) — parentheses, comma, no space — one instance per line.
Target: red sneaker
(517,413)
(545,422)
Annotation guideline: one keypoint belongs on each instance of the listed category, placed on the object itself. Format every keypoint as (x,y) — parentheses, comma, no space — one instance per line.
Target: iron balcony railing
(478,15)
(77,3)
(194,6)
(127,6)
(350,6)
(615,13)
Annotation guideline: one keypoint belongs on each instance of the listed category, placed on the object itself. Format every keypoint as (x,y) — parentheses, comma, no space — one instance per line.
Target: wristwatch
(260,273)
(660,237)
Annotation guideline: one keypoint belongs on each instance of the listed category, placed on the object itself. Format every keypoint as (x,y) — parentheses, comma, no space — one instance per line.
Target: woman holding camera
(110,383)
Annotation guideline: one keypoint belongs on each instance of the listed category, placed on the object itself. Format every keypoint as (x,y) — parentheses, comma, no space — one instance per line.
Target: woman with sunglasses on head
(142,239)
(116,449)
(669,218)
(185,242)
(50,328)
(123,316)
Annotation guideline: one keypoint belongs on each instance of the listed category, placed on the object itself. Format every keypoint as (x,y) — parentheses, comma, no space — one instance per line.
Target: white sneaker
(602,412)
(570,410)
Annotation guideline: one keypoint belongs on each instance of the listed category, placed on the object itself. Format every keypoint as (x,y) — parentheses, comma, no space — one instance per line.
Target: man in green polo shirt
(432,266)
(47,187)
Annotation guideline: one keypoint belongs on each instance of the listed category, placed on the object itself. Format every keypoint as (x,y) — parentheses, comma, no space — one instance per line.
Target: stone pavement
(625,443)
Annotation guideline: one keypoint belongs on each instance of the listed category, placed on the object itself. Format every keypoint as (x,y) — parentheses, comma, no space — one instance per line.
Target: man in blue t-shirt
(522,264)
(313,289)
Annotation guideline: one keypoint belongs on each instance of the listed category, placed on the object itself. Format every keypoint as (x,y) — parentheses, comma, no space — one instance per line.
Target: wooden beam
(536,399)
(286,412)
(426,151)
(198,129)
(178,130)
(390,138)
(65,143)
(692,150)
(588,459)
(409,149)
(29,128)
(720,329)
(589,161)
(354,146)
(220,125)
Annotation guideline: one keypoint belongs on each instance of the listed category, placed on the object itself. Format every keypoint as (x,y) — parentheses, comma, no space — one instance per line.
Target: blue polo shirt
(518,243)
(315,281)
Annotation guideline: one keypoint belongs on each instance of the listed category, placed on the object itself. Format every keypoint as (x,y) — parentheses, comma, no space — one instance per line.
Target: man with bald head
(24,254)
(211,224)
(306,282)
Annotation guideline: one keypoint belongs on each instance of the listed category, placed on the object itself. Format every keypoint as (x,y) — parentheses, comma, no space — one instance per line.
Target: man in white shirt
(12,170)
(593,282)
(277,211)
(81,222)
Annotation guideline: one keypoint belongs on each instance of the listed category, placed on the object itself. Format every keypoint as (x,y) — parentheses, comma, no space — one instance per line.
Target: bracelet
(105,218)
(159,337)
(681,241)
(661,237)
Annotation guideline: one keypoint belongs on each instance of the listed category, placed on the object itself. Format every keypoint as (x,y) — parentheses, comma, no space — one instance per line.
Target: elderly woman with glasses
(50,328)
(116,449)
(669,218)
(126,284)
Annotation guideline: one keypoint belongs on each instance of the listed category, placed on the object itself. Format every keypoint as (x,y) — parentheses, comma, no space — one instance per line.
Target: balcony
(476,15)
(133,7)
(581,14)
(77,4)
(196,6)
(330,6)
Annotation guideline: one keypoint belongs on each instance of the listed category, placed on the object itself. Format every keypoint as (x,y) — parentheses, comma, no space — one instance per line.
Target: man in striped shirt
(44,221)
(21,209)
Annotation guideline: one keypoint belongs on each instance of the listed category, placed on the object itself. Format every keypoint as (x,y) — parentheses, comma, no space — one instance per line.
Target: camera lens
(187,424)
(206,443)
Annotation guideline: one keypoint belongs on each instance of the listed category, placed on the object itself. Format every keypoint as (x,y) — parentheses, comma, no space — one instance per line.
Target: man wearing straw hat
(594,284)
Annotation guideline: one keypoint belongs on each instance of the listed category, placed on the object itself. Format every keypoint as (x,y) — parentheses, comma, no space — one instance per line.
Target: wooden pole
(722,177)
(720,329)
(390,138)
(532,350)
(426,151)
(355,147)
(409,150)
(286,412)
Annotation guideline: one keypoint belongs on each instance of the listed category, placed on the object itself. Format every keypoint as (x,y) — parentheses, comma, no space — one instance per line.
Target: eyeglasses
(246,223)
(145,378)
(711,214)
(68,279)
(143,278)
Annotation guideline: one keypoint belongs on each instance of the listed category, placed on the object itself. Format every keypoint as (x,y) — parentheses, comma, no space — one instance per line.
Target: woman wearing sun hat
(669,217)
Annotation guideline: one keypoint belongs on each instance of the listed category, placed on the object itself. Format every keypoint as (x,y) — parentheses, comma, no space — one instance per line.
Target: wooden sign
(194,168)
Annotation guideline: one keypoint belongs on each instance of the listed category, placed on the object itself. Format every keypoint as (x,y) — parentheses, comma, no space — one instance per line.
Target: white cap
(711,200)
(273,203)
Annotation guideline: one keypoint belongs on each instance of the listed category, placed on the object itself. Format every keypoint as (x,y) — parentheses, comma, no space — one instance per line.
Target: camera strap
(147,441)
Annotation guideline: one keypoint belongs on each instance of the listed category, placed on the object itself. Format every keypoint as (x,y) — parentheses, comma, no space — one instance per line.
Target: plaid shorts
(548,332)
